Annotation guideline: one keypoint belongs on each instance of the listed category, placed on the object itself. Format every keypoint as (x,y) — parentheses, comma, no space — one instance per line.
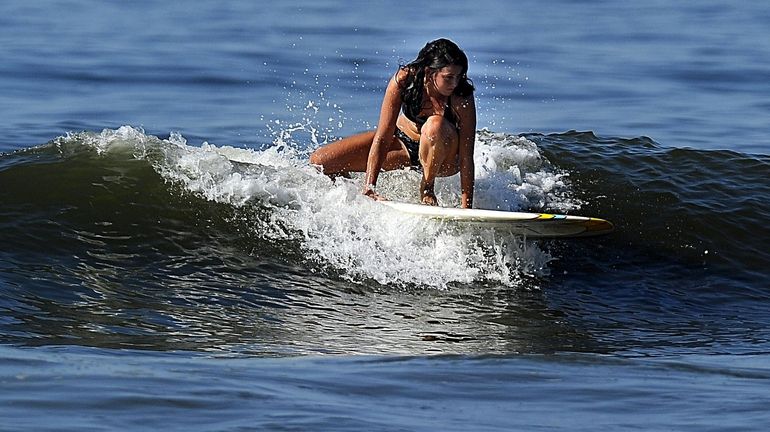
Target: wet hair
(434,55)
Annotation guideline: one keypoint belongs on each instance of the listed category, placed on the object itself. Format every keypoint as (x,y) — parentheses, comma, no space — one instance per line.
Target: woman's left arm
(466,110)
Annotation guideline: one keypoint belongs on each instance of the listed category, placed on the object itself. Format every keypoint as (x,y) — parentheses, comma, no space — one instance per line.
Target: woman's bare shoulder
(463,102)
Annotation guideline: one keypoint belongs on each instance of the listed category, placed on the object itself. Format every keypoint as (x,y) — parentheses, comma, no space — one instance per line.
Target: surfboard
(537,225)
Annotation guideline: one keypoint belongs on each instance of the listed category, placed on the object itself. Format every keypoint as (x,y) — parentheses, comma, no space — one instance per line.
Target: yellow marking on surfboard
(545,216)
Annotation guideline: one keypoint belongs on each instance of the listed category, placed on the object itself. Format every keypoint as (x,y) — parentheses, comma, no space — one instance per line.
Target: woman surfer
(427,121)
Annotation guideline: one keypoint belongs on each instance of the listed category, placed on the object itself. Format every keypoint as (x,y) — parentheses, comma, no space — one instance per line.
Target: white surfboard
(540,225)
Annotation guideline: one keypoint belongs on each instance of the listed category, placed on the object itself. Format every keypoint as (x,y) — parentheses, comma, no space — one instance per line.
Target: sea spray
(340,229)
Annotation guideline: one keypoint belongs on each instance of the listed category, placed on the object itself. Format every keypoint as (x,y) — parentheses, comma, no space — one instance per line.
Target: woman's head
(440,54)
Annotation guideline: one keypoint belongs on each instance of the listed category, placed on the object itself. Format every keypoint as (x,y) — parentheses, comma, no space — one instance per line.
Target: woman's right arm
(383,136)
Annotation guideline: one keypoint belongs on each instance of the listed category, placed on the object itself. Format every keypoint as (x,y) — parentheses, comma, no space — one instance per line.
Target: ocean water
(170,260)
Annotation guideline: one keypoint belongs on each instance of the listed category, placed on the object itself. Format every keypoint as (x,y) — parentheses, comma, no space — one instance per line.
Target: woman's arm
(466,110)
(386,127)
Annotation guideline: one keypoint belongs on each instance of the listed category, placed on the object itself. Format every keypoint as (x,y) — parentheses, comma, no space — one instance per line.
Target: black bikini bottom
(412,147)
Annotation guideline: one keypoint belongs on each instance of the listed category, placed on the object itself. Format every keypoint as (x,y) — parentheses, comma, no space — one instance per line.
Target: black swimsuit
(412,146)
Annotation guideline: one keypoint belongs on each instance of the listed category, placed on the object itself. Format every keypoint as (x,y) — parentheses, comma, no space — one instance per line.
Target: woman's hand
(371,193)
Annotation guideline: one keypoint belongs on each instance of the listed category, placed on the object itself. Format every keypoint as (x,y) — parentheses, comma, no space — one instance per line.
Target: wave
(121,238)
(124,186)
(698,207)
(708,207)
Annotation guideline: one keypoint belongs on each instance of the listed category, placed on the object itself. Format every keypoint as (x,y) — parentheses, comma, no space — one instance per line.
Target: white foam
(341,230)
(512,175)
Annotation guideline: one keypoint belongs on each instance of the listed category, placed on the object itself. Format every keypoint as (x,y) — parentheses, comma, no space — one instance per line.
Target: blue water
(169,260)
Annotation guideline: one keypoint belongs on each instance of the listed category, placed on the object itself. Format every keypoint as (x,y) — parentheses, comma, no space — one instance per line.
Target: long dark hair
(434,55)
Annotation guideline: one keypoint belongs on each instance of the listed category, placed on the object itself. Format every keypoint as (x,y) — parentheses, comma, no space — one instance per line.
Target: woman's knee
(319,157)
(439,130)
(328,159)
(315,158)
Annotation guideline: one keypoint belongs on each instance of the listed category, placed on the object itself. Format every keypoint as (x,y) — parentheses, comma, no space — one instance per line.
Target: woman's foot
(427,195)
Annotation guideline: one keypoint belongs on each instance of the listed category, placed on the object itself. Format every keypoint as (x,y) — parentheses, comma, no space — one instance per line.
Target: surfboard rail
(538,225)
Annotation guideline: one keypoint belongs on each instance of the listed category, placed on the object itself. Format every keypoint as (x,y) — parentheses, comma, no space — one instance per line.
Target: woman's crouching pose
(427,121)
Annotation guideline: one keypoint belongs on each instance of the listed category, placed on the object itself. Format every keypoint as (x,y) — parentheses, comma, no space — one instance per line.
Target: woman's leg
(350,155)
(439,144)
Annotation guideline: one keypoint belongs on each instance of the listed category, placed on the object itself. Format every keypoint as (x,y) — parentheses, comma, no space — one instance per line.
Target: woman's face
(447,78)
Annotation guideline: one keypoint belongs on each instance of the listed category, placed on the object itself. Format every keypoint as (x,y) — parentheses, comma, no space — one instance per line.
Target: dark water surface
(169,260)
